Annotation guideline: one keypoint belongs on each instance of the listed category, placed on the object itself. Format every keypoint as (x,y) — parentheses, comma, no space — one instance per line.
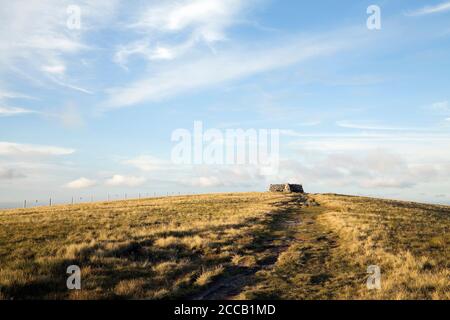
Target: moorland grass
(262,245)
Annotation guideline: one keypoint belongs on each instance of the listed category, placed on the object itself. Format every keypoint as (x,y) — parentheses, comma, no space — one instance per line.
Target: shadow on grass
(46,279)
(267,243)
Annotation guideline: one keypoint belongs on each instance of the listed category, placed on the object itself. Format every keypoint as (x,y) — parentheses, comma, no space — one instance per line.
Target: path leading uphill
(291,228)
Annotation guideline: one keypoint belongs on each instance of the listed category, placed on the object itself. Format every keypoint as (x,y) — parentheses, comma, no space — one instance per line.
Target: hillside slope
(224,246)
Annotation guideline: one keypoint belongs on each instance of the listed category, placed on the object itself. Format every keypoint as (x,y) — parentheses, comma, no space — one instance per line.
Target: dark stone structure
(287,187)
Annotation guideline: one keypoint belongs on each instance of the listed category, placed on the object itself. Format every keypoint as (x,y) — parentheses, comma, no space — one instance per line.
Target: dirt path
(281,232)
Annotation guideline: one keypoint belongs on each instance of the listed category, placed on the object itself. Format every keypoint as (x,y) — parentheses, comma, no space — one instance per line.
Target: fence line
(116,197)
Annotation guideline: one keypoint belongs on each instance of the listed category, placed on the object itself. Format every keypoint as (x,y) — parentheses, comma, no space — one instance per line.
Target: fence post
(50,202)
(25,203)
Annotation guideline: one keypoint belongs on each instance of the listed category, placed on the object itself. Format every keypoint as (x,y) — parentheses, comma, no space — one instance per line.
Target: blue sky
(89,111)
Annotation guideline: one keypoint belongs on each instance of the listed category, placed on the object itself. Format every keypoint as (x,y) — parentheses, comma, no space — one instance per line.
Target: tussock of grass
(207,276)
(130,288)
(244,261)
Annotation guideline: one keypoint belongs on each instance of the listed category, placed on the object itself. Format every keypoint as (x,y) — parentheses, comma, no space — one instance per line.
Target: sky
(91,93)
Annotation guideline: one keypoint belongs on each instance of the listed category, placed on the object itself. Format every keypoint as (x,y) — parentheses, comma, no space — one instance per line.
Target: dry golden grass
(150,248)
(337,241)
(409,241)
(264,245)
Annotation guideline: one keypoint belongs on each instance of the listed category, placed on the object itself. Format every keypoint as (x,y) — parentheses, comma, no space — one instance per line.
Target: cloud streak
(364,126)
(36,41)
(6,111)
(210,70)
(17,149)
(442,7)
(193,21)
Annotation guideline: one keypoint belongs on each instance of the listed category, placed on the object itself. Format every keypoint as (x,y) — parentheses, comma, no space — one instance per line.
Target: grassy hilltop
(225,246)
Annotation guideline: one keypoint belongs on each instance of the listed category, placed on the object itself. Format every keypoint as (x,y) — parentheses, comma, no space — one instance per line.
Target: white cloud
(55,69)
(35,31)
(193,21)
(208,18)
(210,70)
(422,147)
(127,181)
(6,110)
(353,162)
(197,175)
(363,169)
(13,111)
(35,40)
(442,7)
(17,149)
(142,48)
(147,163)
(205,182)
(81,183)
(5,94)
(228,176)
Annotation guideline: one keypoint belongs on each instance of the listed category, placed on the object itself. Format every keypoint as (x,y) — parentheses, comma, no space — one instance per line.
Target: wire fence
(52,201)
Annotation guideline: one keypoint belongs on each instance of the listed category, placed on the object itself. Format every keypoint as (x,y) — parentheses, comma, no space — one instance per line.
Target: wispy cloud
(209,70)
(17,149)
(193,21)
(6,110)
(442,7)
(5,94)
(35,37)
(70,86)
(370,126)
(207,18)
(13,111)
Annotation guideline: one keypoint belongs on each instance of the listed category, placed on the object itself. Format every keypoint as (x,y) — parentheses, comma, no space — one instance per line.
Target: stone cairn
(302,200)
(287,187)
